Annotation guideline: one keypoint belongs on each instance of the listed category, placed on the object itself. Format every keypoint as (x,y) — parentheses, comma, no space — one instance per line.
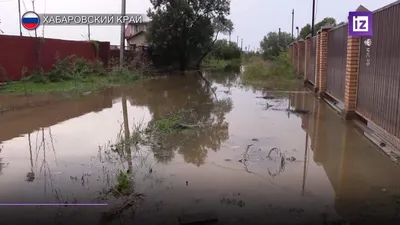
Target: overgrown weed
(73,74)
(174,122)
(279,69)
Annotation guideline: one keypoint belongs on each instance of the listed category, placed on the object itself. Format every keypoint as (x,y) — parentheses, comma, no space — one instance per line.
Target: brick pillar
(317,64)
(352,65)
(300,57)
(295,56)
(308,55)
(323,58)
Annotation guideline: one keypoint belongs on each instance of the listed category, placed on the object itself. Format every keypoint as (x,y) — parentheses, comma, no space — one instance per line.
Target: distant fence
(25,55)
(361,73)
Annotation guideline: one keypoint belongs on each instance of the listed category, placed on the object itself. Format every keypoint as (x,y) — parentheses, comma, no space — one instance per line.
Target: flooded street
(284,159)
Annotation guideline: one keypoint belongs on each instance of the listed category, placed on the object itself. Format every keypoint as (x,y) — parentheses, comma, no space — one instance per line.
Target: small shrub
(123,73)
(124,184)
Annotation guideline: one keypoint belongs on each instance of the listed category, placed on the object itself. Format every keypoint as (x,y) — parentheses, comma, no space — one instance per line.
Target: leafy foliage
(182,31)
(225,51)
(278,70)
(274,43)
(69,68)
(307,28)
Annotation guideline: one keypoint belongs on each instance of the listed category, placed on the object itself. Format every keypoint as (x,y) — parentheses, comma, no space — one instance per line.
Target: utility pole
(279,38)
(292,22)
(313,18)
(279,33)
(20,17)
(88,26)
(237,41)
(122,43)
(33,7)
(1,31)
(241,45)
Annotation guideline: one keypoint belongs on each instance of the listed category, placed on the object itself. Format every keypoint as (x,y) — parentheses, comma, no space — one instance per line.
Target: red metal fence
(337,52)
(379,72)
(26,53)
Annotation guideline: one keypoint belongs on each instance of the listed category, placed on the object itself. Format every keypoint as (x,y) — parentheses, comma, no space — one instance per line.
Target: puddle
(254,160)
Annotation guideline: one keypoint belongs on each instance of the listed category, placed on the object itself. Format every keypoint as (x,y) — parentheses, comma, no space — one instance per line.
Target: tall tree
(274,43)
(307,28)
(182,31)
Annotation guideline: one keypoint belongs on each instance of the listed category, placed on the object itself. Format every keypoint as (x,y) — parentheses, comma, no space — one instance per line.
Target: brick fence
(360,75)
(21,55)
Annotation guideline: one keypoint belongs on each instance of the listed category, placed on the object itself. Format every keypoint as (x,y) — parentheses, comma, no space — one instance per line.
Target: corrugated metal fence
(379,75)
(337,52)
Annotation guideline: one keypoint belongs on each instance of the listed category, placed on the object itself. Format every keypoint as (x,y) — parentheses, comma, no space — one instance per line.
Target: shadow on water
(256,155)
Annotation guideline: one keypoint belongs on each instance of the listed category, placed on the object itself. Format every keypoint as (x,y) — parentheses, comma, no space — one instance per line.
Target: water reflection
(190,94)
(261,153)
(360,174)
(1,163)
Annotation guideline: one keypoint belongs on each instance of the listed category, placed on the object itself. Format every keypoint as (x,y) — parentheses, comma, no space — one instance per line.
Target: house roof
(144,22)
(134,35)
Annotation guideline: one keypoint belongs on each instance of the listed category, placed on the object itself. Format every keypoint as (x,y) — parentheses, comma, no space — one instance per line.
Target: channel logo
(360,24)
(30,20)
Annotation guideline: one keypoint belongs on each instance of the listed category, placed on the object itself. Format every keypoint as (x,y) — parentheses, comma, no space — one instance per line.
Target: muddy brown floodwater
(258,161)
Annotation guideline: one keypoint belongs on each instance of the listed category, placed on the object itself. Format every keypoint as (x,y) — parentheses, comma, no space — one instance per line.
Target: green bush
(223,50)
(69,68)
(277,69)
(122,73)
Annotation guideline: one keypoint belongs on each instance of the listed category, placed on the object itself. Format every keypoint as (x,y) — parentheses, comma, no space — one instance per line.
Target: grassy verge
(278,71)
(74,77)
(219,64)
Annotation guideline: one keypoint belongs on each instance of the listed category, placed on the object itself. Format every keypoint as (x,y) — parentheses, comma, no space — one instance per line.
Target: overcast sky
(252,18)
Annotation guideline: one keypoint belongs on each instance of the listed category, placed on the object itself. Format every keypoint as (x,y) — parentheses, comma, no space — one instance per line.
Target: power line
(23,2)
(45,6)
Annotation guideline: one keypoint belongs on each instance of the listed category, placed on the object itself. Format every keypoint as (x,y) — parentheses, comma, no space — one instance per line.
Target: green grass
(219,64)
(173,122)
(279,69)
(73,75)
(75,85)
(277,74)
